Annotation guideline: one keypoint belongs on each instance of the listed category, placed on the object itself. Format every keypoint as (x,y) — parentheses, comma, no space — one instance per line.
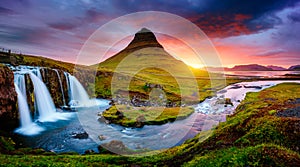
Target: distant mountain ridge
(255,67)
(295,68)
(276,68)
(250,67)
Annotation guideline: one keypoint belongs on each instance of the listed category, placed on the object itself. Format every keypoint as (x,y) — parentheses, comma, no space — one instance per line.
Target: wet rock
(111,102)
(140,121)
(226,101)
(235,87)
(114,146)
(291,112)
(30,94)
(8,100)
(210,97)
(119,114)
(255,87)
(83,135)
(103,120)
(51,80)
(294,101)
(102,137)
(89,152)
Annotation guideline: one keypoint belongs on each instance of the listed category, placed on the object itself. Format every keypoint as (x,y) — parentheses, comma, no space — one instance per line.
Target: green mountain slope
(147,62)
(144,51)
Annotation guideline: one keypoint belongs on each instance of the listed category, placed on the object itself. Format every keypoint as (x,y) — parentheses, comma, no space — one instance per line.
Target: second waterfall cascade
(44,105)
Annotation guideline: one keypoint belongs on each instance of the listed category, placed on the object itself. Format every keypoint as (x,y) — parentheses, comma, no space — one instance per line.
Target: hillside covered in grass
(264,131)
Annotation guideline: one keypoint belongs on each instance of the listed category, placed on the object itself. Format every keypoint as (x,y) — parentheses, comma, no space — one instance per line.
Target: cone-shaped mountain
(145,51)
(144,38)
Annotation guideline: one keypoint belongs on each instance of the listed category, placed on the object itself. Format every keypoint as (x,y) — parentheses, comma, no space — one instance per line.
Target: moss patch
(139,116)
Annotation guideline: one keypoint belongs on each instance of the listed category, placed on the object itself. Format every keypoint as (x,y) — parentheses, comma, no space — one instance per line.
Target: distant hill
(32,60)
(250,67)
(276,68)
(295,68)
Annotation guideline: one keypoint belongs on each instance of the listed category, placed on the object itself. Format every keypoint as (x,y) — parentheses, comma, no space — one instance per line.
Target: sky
(243,32)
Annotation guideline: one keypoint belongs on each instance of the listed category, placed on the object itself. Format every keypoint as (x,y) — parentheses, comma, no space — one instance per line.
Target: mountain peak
(143,39)
(144,30)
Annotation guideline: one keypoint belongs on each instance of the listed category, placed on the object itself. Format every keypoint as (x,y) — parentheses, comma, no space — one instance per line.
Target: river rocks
(89,152)
(151,85)
(255,87)
(83,135)
(102,137)
(235,87)
(102,119)
(138,99)
(114,146)
(291,112)
(140,121)
(119,114)
(8,99)
(228,101)
(225,101)
(294,101)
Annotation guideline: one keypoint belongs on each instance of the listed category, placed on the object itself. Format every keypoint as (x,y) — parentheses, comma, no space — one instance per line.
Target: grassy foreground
(260,133)
(139,116)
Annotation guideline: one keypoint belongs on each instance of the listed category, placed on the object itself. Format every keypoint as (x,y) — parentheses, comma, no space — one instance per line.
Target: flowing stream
(59,136)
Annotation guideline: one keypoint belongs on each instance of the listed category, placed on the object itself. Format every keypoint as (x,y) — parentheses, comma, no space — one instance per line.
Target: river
(59,136)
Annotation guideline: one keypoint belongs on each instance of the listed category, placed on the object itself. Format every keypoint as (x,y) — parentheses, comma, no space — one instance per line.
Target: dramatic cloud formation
(241,30)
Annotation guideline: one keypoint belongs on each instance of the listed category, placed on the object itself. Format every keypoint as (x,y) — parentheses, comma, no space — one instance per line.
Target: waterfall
(61,87)
(27,126)
(38,74)
(23,108)
(45,105)
(79,97)
(68,84)
(20,81)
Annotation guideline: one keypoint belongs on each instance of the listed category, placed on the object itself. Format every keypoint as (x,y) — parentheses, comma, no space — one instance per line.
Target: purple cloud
(270,53)
(6,11)
(63,25)
(39,27)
